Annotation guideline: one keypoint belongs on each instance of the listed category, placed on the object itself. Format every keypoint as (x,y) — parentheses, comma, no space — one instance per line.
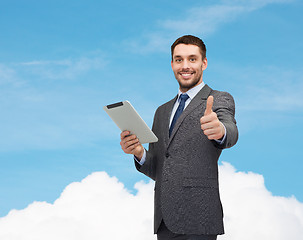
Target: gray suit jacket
(185,166)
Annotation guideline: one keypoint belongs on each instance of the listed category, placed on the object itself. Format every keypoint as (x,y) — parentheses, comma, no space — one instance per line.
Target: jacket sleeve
(224,106)
(149,166)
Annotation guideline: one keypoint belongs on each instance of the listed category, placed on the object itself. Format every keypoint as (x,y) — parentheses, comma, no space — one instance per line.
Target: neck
(185,89)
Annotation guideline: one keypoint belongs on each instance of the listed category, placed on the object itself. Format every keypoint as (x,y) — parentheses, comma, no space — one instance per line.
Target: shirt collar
(193,91)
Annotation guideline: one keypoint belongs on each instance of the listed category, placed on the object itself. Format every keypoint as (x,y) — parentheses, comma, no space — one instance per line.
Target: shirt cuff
(143,159)
(221,141)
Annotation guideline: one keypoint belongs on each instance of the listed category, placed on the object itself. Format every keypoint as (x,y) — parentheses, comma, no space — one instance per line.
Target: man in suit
(192,129)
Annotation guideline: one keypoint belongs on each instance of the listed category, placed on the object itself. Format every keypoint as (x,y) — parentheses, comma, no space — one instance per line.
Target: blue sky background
(62,61)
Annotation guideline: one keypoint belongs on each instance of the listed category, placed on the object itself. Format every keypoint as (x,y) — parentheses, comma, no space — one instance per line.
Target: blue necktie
(183,98)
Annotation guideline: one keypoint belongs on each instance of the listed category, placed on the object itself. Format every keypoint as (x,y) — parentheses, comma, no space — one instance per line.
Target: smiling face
(188,66)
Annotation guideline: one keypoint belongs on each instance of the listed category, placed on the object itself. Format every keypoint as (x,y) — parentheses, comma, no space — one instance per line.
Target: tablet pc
(127,118)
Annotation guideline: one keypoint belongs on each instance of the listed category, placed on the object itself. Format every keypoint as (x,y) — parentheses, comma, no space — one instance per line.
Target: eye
(192,59)
(178,60)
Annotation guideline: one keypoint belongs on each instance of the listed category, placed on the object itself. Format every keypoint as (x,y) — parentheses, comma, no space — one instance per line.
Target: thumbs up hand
(210,123)
(209,105)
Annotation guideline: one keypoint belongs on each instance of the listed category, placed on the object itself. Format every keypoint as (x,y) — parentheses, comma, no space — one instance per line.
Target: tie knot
(184,97)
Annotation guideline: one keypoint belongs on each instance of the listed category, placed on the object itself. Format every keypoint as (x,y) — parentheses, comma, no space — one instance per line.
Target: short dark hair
(189,39)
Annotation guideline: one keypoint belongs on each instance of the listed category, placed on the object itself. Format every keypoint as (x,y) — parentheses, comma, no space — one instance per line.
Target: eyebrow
(179,56)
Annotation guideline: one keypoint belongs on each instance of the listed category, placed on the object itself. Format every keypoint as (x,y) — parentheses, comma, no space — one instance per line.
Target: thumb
(209,105)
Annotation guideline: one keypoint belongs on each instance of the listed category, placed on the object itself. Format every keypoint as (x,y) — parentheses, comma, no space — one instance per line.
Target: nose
(185,64)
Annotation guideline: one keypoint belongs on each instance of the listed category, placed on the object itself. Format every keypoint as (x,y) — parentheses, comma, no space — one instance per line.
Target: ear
(204,64)
(171,64)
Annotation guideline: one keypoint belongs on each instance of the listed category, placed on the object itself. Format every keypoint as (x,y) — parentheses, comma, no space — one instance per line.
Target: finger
(208,118)
(124,134)
(209,105)
(215,132)
(125,138)
(129,146)
(130,138)
(205,126)
(127,141)
(213,137)
(131,142)
(132,147)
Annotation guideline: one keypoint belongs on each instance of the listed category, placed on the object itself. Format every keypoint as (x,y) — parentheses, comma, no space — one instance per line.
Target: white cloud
(264,92)
(280,98)
(255,85)
(64,68)
(39,113)
(99,207)
(8,76)
(252,212)
(50,118)
(5,73)
(203,20)
(207,19)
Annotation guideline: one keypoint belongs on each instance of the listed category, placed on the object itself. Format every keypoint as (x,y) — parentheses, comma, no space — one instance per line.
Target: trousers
(165,234)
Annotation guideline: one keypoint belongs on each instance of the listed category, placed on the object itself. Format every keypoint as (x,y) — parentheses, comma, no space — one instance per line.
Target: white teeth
(186,74)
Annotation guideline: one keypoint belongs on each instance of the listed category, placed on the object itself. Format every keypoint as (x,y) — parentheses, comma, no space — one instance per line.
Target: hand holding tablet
(127,118)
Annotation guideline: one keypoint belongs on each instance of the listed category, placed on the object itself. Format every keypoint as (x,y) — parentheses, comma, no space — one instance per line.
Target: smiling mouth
(186,74)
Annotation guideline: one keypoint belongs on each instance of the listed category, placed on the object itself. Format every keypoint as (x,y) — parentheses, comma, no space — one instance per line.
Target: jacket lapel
(168,110)
(201,96)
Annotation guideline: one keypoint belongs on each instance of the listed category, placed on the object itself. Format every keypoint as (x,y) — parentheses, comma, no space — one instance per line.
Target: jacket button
(167,155)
